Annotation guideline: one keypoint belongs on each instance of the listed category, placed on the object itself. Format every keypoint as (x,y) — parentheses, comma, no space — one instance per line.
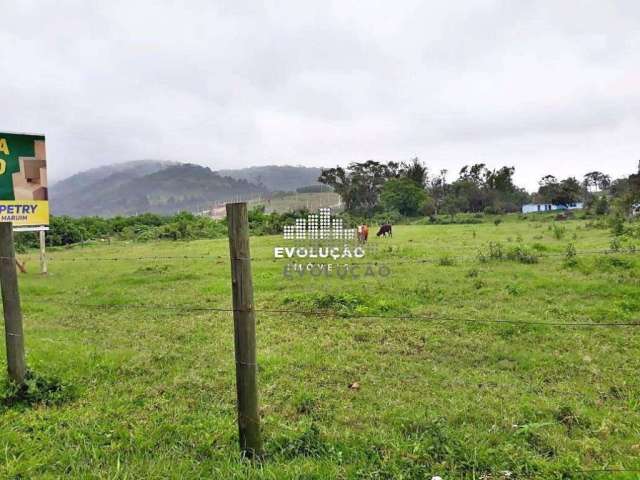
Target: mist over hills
(284,178)
(167,187)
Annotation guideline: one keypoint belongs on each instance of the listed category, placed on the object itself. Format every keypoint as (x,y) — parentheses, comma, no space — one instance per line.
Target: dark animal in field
(385,230)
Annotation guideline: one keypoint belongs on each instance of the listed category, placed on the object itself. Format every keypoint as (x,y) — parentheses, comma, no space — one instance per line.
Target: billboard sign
(24,198)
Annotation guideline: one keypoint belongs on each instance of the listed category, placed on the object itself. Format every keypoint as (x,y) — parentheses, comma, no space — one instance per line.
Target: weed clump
(343,304)
(446,261)
(305,404)
(570,256)
(495,251)
(615,245)
(559,231)
(36,390)
(309,443)
(522,255)
(570,419)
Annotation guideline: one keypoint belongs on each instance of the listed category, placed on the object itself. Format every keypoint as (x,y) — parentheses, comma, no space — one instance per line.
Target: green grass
(150,392)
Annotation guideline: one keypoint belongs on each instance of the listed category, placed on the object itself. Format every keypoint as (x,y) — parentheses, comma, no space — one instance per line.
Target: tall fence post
(244,323)
(43,253)
(11,305)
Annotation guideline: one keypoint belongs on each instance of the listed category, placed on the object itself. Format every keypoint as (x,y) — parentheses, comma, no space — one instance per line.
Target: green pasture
(146,390)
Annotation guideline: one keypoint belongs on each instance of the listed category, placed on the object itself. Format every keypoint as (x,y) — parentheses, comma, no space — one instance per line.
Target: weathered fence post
(11,305)
(43,253)
(244,322)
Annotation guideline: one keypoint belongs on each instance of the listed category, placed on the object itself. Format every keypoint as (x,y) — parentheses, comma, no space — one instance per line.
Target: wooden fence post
(244,323)
(11,305)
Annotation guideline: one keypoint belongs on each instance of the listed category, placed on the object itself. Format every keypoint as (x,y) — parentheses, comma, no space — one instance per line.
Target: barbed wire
(125,258)
(389,259)
(332,314)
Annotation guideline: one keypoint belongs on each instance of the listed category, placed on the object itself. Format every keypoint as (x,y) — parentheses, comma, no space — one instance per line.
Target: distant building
(635,210)
(549,207)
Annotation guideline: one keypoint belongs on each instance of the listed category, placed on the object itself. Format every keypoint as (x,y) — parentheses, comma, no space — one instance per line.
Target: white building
(549,207)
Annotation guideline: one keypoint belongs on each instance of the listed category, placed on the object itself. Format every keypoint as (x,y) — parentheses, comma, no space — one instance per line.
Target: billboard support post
(43,253)
(16,362)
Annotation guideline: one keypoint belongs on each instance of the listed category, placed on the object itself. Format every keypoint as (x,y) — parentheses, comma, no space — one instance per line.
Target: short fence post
(16,363)
(43,253)
(244,322)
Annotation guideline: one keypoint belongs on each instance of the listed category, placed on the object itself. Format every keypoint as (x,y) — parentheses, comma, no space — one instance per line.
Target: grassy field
(149,392)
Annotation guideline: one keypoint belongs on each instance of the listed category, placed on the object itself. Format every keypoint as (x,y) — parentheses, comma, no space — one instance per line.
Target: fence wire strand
(331,314)
(389,259)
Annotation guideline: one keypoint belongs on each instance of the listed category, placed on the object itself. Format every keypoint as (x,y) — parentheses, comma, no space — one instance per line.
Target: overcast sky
(545,86)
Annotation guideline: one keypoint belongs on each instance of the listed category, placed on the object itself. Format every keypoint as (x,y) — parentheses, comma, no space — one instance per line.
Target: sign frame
(24,192)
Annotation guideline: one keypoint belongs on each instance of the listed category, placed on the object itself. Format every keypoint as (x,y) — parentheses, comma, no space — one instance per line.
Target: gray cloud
(549,87)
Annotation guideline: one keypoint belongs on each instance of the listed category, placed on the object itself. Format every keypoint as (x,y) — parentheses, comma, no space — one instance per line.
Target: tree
(564,192)
(415,171)
(438,188)
(598,180)
(501,180)
(342,184)
(480,189)
(404,195)
(474,174)
(570,192)
(453,204)
(360,184)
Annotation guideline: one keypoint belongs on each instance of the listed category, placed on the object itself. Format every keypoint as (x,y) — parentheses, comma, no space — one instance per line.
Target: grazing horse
(385,230)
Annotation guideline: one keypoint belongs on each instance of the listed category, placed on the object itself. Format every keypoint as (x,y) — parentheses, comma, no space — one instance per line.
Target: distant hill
(146,186)
(80,181)
(277,178)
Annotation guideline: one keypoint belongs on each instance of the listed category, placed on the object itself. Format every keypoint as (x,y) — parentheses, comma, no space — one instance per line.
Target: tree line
(66,230)
(408,189)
